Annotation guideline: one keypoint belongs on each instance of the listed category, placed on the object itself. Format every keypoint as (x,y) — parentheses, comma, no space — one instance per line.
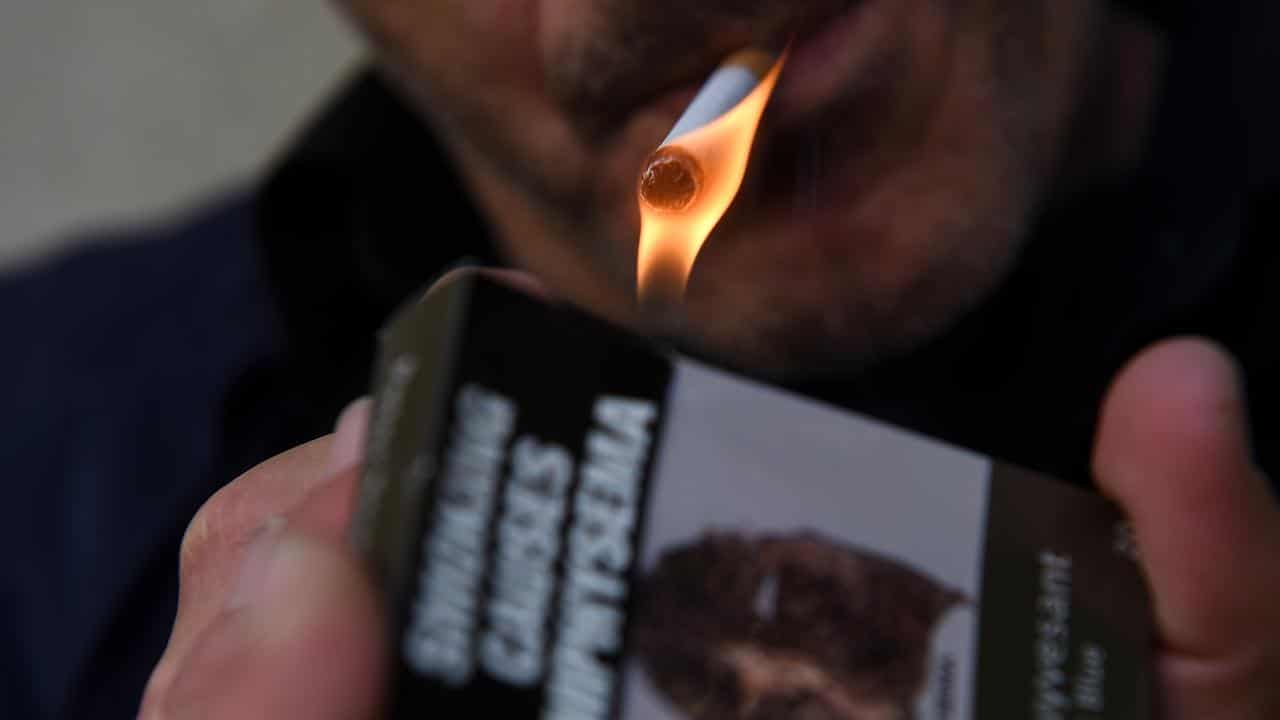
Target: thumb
(1173,450)
(300,637)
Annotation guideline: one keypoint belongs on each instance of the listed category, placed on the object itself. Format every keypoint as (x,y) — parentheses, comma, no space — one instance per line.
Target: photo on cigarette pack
(802,563)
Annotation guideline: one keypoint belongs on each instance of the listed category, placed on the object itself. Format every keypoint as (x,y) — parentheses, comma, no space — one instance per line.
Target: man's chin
(758,325)
(799,304)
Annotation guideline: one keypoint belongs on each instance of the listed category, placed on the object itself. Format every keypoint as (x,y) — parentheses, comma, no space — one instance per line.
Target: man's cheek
(446,40)
(564,25)
(510,18)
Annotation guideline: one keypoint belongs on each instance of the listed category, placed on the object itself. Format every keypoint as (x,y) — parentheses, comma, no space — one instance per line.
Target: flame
(670,241)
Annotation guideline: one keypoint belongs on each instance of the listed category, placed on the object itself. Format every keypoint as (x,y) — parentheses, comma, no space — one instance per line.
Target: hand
(275,617)
(1173,449)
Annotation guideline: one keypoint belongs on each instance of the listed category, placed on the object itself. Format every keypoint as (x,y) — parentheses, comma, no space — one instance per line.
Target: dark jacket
(144,371)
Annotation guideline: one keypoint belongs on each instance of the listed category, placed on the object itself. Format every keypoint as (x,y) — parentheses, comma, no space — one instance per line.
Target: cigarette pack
(571,524)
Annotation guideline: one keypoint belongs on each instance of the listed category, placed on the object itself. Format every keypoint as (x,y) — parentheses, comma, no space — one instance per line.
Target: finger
(297,485)
(218,533)
(1174,451)
(300,636)
(216,540)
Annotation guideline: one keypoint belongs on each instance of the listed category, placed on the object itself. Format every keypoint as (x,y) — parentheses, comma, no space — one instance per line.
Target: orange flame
(670,241)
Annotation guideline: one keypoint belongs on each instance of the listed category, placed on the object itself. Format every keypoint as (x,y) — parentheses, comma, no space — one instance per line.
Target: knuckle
(194,542)
(153,695)
(214,527)
(219,531)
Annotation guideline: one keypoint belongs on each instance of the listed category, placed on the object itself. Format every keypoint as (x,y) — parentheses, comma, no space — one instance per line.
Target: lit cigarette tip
(671,180)
(672,176)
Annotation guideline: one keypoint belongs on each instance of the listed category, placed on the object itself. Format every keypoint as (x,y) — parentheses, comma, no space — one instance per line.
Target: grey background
(736,454)
(130,110)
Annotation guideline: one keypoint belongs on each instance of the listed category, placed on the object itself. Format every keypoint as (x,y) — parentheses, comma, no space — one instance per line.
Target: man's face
(907,147)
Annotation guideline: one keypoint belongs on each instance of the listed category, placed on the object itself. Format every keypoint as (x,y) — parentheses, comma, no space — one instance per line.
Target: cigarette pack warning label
(570,525)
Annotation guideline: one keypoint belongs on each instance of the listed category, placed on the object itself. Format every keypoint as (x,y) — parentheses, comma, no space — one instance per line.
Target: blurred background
(134,110)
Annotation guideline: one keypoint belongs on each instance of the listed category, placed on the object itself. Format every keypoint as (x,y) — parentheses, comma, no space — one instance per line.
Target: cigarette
(672,177)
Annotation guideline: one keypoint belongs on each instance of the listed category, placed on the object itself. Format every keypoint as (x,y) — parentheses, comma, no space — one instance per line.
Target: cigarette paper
(729,85)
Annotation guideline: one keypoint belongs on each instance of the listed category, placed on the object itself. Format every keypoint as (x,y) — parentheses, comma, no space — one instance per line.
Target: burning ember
(691,180)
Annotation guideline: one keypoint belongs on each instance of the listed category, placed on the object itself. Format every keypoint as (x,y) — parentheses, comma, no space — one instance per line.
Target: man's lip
(808,38)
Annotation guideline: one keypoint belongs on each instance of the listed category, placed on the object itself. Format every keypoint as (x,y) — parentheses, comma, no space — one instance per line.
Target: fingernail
(349,436)
(256,567)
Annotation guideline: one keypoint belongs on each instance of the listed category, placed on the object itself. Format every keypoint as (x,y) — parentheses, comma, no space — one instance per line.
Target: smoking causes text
(438,638)
(505,564)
